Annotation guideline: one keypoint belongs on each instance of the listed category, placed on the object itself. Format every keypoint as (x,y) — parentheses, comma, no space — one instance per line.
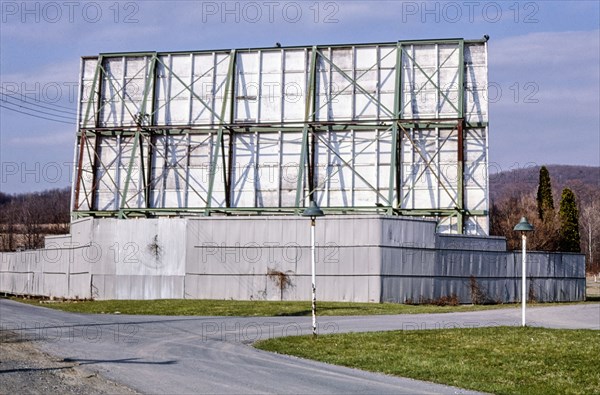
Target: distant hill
(583,180)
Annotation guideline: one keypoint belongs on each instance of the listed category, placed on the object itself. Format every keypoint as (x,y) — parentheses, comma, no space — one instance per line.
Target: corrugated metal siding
(359,258)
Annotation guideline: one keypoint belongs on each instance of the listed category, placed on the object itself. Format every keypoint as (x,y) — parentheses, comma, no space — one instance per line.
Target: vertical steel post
(137,139)
(145,120)
(129,170)
(394,148)
(97,137)
(523,277)
(308,110)
(461,116)
(461,78)
(313,260)
(75,178)
(227,175)
(215,154)
(83,137)
(150,156)
(460,176)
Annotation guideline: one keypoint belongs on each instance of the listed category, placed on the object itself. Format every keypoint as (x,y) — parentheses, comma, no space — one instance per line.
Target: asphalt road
(158,354)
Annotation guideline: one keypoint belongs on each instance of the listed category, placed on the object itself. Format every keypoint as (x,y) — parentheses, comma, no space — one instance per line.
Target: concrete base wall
(359,258)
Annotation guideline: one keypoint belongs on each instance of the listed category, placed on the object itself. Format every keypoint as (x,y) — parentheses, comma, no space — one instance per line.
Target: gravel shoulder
(26,370)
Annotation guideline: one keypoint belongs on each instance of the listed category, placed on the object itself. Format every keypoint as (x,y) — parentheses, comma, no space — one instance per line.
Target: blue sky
(544,62)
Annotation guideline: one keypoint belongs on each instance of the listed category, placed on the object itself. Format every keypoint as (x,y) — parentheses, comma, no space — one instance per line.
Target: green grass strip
(500,360)
(247,308)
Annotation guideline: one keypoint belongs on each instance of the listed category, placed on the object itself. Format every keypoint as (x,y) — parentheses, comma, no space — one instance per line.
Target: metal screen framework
(396,128)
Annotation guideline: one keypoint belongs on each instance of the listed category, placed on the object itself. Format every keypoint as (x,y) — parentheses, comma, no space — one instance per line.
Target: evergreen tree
(569,222)
(545,202)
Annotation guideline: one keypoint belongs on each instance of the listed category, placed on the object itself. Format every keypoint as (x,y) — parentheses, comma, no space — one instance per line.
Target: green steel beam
(427,165)
(394,122)
(331,210)
(433,75)
(126,54)
(339,126)
(345,162)
(149,87)
(418,151)
(461,148)
(227,50)
(186,86)
(430,42)
(148,177)
(356,84)
(461,79)
(138,138)
(308,113)
(128,177)
(460,181)
(350,163)
(95,158)
(151,146)
(430,79)
(215,154)
(394,148)
(82,140)
(118,94)
(92,92)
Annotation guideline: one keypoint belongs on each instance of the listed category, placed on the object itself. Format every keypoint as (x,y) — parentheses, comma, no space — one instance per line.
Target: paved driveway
(158,354)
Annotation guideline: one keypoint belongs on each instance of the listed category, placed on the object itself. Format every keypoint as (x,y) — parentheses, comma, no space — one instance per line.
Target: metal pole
(313,276)
(524,274)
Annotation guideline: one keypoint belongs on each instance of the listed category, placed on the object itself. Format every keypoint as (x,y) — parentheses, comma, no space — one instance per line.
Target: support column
(309,112)
(215,154)
(393,182)
(461,177)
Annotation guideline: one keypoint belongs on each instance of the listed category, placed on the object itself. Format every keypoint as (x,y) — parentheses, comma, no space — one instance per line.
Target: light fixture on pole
(523,226)
(313,211)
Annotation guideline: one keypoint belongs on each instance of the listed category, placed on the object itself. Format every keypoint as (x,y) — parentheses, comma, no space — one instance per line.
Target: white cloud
(46,139)
(544,49)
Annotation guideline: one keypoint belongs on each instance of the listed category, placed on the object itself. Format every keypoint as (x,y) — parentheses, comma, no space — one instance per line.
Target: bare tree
(590,234)
(507,213)
(31,220)
(8,228)
(25,219)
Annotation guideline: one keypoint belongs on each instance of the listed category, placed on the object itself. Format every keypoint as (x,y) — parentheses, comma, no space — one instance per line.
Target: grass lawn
(501,360)
(248,308)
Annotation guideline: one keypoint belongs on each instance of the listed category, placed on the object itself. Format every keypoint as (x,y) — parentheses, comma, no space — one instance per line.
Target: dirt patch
(26,370)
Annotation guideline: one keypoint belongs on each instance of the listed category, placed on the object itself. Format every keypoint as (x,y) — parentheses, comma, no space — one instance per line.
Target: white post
(524,274)
(313,276)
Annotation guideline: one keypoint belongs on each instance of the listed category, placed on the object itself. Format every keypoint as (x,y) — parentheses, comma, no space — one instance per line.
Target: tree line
(25,219)
(573,226)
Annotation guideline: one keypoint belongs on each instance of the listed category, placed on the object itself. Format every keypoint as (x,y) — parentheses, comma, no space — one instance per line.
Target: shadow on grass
(321,310)
(300,313)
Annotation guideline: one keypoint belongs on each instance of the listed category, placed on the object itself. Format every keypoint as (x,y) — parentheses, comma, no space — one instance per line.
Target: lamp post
(523,226)
(313,211)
